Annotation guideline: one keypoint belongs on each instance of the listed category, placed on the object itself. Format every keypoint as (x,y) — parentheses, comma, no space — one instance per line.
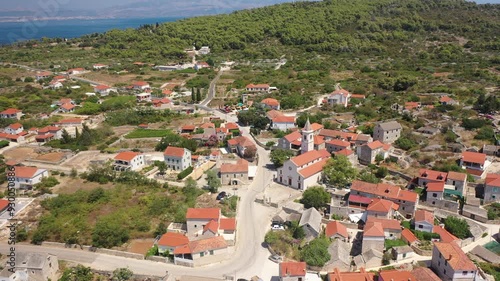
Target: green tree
(193,95)
(213,180)
(122,274)
(339,171)
(279,156)
(457,227)
(381,172)
(315,197)
(198,95)
(78,273)
(316,252)
(367,176)
(65,137)
(405,143)
(296,230)
(109,233)
(162,167)
(160,229)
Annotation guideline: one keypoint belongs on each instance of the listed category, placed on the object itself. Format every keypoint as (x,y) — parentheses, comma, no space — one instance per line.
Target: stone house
(451,264)
(234,173)
(387,132)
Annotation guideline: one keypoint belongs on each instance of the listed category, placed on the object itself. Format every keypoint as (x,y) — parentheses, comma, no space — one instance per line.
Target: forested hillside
(376,27)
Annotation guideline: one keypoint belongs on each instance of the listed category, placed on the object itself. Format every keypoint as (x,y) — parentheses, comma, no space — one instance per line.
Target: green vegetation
(138,116)
(491,269)
(315,197)
(185,173)
(4,143)
(213,181)
(406,142)
(147,133)
(493,211)
(82,140)
(78,273)
(425,236)
(394,243)
(316,252)
(279,156)
(122,274)
(457,227)
(339,172)
(470,124)
(229,206)
(173,139)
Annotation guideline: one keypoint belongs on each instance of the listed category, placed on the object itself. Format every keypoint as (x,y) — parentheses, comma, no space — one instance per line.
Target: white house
(49,133)
(340,96)
(75,71)
(204,50)
(67,108)
(201,252)
(475,163)
(198,218)
(103,90)
(43,75)
(255,88)
(26,177)
(14,129)
(99,66)
(143,97)
(304,170)
(177,158)
(141,85)
(424,221)
(171,241)
(451,264)
(11,113)
(283,123)
(270,103)
(55,85)
(128,161)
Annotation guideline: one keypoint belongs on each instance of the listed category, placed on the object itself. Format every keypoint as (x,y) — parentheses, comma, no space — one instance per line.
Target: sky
(96,4)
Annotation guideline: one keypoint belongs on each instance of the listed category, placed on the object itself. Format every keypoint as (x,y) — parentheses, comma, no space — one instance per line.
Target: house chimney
(450,257)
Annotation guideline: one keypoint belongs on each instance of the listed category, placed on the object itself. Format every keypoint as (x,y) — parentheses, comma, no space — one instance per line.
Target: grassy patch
(493,211)
(146,133)
(394,243)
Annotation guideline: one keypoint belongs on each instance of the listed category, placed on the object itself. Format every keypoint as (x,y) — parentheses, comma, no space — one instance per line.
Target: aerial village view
(329,140)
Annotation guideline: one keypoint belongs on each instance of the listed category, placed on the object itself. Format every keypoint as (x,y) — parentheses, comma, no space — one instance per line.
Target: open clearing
(147,133)
(82,160)
(140,246)
(51,157)
(20,154)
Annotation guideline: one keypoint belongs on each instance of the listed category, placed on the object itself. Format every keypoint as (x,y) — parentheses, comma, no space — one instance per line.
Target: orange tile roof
(9,136)
(231,126)
(292,269)
(455,256)
(474,157)
(10,111)
(335,227)
(373,229)
(188,128)
(340,92)
(351,276)
(457,176)
(445,99)
(375,145)
(227,224)
(424,215)
(408,236)
(492,180)
(316,126)
(358,96)
(126,155)
(198,246)
(313,169)
(25,171)
(141,83)
(382,205)
(425,274)
(411,105)
(102,87)
(166,92)
(174,151)
(345,152)
(271,114)
(241,166)
(173,239)
(432,175)
(384,190)
(318,140)
(257,86)
(435,187)
(309,156)
(338,134)
(15,126)
(76,69)
(212,225)
(396,275)
(43,137)
(284,119)
(293,136)
(203,213)
(386,223)
(3,204)
(207,125)
(68,106)
(270,102)
(340,143)
(242,141)
(445,236)
(44,73)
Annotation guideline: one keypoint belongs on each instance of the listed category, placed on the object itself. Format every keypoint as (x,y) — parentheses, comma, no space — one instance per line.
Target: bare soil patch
(140,246)
(20,154)
(51,157)
(68,185)
(341,75)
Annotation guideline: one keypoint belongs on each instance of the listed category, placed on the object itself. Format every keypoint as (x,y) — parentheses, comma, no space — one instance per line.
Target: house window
(464,273)
(420,226)
(444,272)
(212,252)
(439,255)
(202,254)
(434,195)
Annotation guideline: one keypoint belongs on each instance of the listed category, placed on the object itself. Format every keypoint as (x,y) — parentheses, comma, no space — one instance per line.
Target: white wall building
(177,158)
(26,177)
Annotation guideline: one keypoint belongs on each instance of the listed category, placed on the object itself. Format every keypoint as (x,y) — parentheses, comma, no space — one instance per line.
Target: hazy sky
(96,4)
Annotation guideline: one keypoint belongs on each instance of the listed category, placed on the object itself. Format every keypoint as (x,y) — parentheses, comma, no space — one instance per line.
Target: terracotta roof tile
(270,102)
(313,169)
(227,224)
(382,205)
(68,106)
(316,126)
(396,275)
(284,119)
(15,126)
(492,180)
(338,142)
(335,227)
(10,111)
(173,239)
(345,152)
(25,171)
(425,274)
(384,190)
(455,256)
(212,225)
(408,236)
(457,176)
(292,269)
(432,175)
(241,166)
(231,126)
(386,223)
(445,236)
(351,276)
(474,157)
(309,156)
(174,151)
(203,213)
(126,155)
(424,215)
(373,229)
(375,145)
(445,99)
(293,136)
(435,187)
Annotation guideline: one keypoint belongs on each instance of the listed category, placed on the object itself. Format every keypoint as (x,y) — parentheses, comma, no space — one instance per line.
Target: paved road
(211,89)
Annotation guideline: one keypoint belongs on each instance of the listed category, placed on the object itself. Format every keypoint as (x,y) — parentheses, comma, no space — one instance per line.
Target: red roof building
(335,229)
(362,275)
(126,156)
(395,275)
(292,269)
(173,239)
(203,213)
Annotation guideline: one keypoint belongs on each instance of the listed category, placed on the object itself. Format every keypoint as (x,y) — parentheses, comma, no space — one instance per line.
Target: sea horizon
(15,31)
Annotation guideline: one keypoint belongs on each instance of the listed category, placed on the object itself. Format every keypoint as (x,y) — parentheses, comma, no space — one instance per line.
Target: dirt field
(20,154)
(140,246)
(69,185)
(82,159)
(51,157)
(341,75)
(137,143)
(123,130)
(112,79)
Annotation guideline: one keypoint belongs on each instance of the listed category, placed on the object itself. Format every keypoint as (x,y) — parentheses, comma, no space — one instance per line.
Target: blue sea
(11,32)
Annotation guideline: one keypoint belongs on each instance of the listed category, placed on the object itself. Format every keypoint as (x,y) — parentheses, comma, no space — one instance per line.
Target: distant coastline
(27,19)
(69,27)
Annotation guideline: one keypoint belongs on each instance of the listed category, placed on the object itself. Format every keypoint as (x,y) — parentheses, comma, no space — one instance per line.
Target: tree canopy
(339,172)
(279,156)
(316,252)
(316,197)
(457,227)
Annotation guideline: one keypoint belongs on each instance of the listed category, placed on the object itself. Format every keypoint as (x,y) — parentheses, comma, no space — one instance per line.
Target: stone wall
(97,250)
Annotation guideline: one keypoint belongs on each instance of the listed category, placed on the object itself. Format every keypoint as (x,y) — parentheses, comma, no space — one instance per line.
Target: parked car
(276,258)
(277,227)
(221,195)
